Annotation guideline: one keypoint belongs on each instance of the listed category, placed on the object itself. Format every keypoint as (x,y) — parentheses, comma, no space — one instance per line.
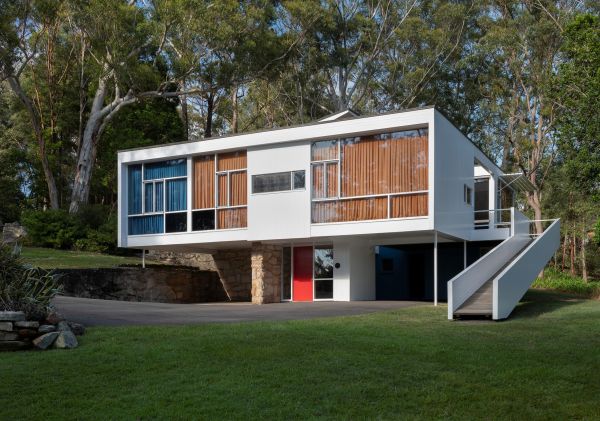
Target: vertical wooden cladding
(238,189)
(228,175)
(384,164)
(325,180)
(363,209)
(231,161)
(324,150)
(232,218)
(408,205)
(204,182)
(332,179)
(222,196)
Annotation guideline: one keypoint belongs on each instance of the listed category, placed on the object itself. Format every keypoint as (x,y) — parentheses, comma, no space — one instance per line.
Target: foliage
(93,228)
(25,288)
(559,281)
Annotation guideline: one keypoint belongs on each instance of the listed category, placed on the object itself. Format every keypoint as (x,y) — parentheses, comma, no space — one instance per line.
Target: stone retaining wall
(159,284)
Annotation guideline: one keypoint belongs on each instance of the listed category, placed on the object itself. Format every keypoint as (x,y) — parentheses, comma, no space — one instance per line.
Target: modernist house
(398,206)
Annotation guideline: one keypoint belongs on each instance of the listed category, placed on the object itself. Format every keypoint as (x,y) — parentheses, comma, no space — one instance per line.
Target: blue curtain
(150,224)
(159,197)
(176,195)
(149,197)
(165,169)
(134,189)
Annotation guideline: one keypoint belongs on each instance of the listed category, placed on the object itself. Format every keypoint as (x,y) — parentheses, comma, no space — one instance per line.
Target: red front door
(303,272)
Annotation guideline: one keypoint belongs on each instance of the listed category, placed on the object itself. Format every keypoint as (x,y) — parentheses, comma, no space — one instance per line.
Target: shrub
(51,228)
(25,288)
(559,281)
(93,228)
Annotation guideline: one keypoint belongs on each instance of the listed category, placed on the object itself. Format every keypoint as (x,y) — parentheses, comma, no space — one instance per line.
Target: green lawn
(65,259)
(543,363)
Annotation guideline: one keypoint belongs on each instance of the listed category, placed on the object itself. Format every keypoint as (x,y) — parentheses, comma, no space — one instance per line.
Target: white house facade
(393,206)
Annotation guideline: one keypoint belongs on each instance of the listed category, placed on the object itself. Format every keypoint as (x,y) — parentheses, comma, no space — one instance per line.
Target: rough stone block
(27,325)
(27,333)
(65,340)
(44,341)
(13,345)
(63,326)
(77,329)
(9,336)
(46,329)
(6,326)
(11,316)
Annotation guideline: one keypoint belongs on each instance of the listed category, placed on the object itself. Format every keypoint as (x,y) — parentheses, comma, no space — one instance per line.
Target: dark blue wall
(405,272)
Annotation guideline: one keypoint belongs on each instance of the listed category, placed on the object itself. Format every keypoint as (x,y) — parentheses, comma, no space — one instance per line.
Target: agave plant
(25,288)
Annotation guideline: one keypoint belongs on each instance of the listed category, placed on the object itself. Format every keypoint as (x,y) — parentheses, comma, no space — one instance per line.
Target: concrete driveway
(93,312)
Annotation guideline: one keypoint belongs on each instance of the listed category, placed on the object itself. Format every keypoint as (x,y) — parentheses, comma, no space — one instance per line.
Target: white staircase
(494,284)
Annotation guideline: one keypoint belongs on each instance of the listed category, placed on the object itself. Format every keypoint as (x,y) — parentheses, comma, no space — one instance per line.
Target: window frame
(291,187)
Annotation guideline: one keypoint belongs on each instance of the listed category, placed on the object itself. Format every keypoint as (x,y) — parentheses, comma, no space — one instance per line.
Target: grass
(65,259)
(563,282)
(409,364)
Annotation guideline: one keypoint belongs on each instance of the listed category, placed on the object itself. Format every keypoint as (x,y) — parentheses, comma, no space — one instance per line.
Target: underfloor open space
(407,363)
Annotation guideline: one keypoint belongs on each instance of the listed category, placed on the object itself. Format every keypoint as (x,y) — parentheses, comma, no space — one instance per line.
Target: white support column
(190,192)
(435,268)
(464,254)
(143,258)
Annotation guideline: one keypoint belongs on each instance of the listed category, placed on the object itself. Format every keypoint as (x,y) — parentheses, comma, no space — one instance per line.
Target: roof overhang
(517,181)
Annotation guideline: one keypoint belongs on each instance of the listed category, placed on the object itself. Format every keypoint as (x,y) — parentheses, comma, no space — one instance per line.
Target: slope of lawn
(412,363)
(66,259)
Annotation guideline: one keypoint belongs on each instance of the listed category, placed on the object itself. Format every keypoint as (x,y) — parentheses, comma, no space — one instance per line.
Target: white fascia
(366,125)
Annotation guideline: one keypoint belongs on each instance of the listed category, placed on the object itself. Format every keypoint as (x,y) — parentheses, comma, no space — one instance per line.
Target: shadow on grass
(538,302)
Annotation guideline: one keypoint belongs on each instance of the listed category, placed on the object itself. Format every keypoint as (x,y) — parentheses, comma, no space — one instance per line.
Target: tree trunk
(564,253)
(39,136)
(584,272)
(184,113)
(234,107)
(88,149)
(533,200)
(572,255)
(210,103)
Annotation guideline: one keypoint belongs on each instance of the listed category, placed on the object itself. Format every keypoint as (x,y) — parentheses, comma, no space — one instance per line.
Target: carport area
(94,312)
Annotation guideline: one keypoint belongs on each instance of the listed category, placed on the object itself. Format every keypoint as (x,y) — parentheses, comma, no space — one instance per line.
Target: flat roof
(324,121)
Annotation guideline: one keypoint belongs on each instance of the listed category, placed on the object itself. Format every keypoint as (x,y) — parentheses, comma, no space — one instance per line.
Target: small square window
(299,180)
(468,194)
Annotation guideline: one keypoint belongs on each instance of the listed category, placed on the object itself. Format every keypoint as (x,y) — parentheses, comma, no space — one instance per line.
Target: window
(203,220)
(323,272)
(276,182)
(219,191)
(156,191)
(299,180)
(468,193)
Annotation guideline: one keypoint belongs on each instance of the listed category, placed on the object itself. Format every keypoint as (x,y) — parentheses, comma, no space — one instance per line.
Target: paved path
(92,312)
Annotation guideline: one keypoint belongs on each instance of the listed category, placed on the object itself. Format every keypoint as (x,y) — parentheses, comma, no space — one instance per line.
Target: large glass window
(157,197)
(323,272)
(370,177)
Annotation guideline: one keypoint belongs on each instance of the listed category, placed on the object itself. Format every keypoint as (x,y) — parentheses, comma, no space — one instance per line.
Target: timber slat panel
(238,189)
(204,182)
(232,218)
(379,166)
(350,210)
(408,205)
(222,181)
(231,161)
